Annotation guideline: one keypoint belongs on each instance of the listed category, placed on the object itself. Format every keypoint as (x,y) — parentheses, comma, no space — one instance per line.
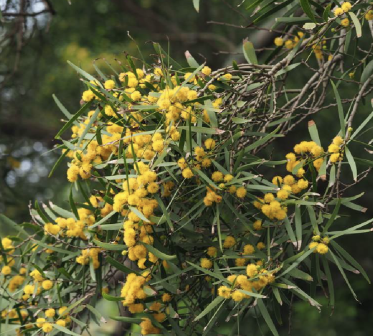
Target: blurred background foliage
(33,53)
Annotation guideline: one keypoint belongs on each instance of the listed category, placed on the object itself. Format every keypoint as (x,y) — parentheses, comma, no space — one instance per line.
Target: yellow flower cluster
(345,7)
(305,150)
(369,15)
(70,227)
(320,244)
(289,43)
(270,207)
(133,290)
(88,255)
(336,149)
(257,278)
(46,323)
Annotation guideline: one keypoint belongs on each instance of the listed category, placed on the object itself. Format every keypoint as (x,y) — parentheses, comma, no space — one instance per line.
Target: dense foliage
(178,211)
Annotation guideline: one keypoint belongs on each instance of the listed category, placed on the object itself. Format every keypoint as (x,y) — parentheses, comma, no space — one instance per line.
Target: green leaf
(62,212)
(89,126)
(362,125)
(111,298)
(307,9)
(297,273)
(82,110)
(326,13)
(132,320)
(139,214)
(103,220)
(298,259)
(330,281)
(119,266)
(82,72)
(249,52)
(292,20)
(271,11)
(164,213)
(267,318)
(196,5)
(350,259)
(72,202)
(312,128)
(204,130)
(206,271)
(65,330)
(352,163)
(158,49)
(62,108)
(343,274)
(298,226)
(97,314)
(158,253)
(357,24)
(333,216)
(210,307)
(8,223)
(190,59)
(58,162)
(367,72)
(340,109)
(109,246)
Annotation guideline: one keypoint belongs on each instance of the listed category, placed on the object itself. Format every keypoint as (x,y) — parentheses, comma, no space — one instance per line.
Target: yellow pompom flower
(206,71)
(282,194)
(47,327)
(237,296)
(260,246)
(338,140)
(345,22)
(257,225)
(229,242)
(50,312)
(346,6)
(210,143)
(109,84)
(187,173)
(277,180)
(248,249)
(206,263)
(289,44)
(322,248)
(279,41)
(334,157)
(241,192)
(224,292)
(338,11)
(217,176)
(369,15)
(212,251)
(47,284)
(166,297)
(268,198)
(88,95)
(61,323)
(6,270)
(251,270)
(313,245)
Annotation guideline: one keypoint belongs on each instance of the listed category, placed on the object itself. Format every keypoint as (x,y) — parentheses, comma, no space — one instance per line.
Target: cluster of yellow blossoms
(134,293)
(289,43)
(88,255)
(320,244)
(241,285)
(345,7)
(336,149)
